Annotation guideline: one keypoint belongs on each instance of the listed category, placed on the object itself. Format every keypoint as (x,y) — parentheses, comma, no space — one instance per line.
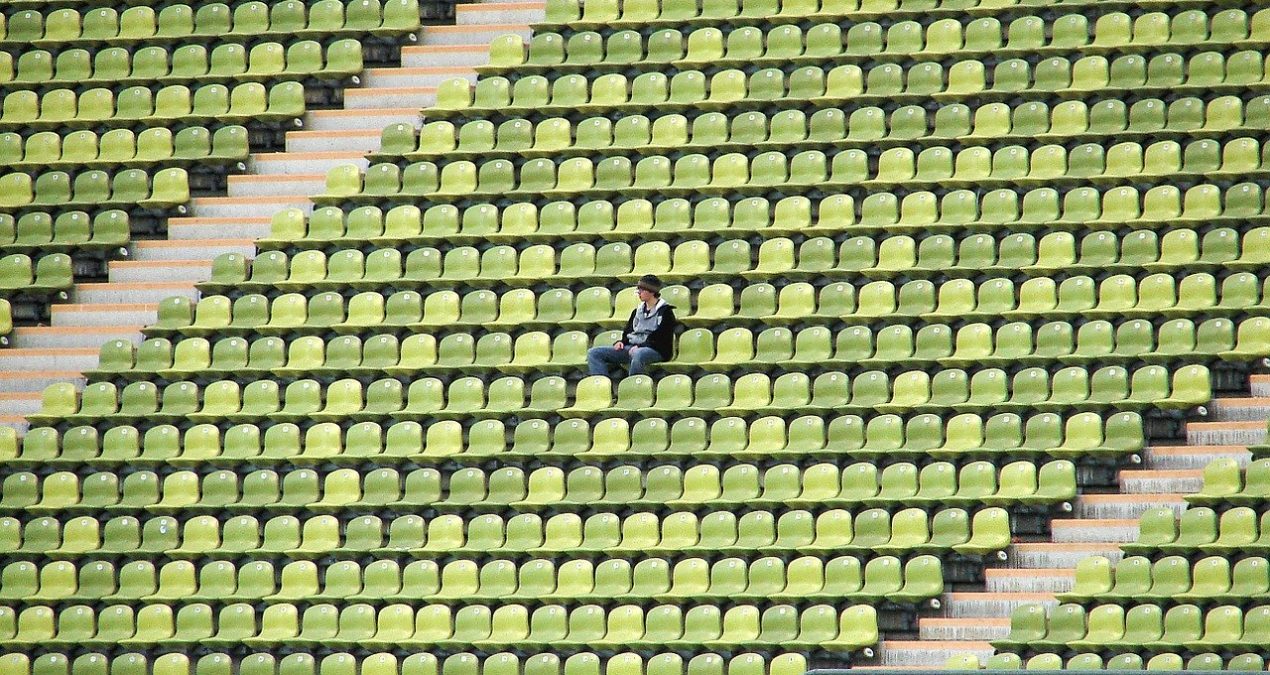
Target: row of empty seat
(1097,341)
(1074,388)
(464,181)
(824,484)
(768,577)
(332,228)
(1168,662)
(1200,529)
(818,627)
(141,23)
(876,302)
(1144,628)
(991,124)
(967,435)
(1226,482)
(570,13)
(193,145)
(190,63)
(910,531)
(388,663)
(816,258)
(829,42)
(173,104)
(46,275)
(95,188)
(537,97)
(1171,579)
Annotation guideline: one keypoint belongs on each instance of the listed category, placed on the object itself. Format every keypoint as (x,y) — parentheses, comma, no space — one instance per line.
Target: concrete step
(1122,505)
(291,185)
(486,13)
(74,336)
(276,164)
(18,361)
(1259,385)
(1013,580)
(1226,433)
(185,229)
(247,207)
(931,653)
(1058,555)
(1239,409)
(417,76)
(19,403)
(1154,481)
(133,271)
(113,293)
(990,605)
(1091,530)
(362,119)
(191,249)
(472,34)
(974,628)
(360,141)
(103,314)
(17,422)
(390,97)
(1194,456)
(28,381)
(416,56)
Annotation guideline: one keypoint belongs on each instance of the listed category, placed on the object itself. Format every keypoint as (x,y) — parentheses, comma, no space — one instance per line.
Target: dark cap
(649,283)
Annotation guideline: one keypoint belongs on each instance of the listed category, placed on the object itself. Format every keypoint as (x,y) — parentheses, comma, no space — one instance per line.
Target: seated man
(648,338)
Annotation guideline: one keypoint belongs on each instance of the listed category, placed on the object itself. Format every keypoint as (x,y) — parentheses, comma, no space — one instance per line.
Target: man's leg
(600,360)
(642,358)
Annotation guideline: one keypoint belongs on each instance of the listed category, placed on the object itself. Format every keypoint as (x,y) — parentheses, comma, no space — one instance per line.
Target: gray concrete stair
(485,13)
(31,360)
(104,314)
(391,97)
(362,119)
(419,76)
(1239,409)
(247,207)
(184,250)
(1123,505)
(17,422)
(151,292)
(434,55)
(973,628)
(234,229)
(1094,530)
(1013,580)
(318,162)
(928,653)
(472,33)
(19,403)
(359,141)
(142,271)
(1058,555)
(1154,481)
(990,605)
(81,337)
(277,187)
(1195,456)
(1226,433)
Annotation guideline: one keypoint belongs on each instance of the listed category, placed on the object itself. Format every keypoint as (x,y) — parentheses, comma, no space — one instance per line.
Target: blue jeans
(602,360)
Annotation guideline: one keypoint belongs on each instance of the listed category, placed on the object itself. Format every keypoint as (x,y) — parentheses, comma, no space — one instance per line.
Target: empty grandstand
(296,299)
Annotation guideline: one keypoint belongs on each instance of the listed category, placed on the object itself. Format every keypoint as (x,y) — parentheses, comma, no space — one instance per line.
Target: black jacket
(662,339)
